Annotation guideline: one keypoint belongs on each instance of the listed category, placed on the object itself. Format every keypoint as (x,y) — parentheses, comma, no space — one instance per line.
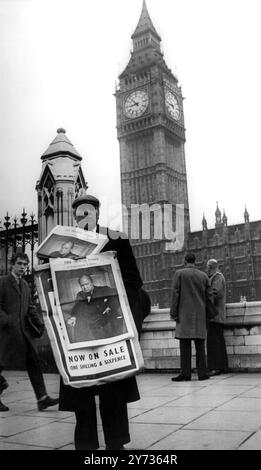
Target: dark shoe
(181,378)
(204,377)
(212,373)
(3,384)
(3,407)
(46,402)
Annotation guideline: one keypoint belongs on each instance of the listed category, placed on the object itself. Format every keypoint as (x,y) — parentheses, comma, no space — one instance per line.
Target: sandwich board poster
(105,350)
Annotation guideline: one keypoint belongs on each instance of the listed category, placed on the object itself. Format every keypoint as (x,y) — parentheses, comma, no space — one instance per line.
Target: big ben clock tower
(151,134)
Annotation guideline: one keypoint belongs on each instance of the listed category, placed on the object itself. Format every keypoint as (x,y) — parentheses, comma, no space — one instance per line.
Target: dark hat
(87,199)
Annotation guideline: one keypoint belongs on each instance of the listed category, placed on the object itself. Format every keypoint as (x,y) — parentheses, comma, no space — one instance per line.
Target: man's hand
(72,321)
(106,311)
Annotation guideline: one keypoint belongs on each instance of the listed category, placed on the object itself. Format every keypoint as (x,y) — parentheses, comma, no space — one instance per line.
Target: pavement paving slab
(223,413)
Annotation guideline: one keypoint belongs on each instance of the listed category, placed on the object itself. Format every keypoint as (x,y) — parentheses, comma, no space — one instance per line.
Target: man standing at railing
(216,347)
(190,295)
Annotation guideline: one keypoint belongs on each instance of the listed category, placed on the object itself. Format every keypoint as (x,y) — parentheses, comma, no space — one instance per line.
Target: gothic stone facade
(236,247)
(60,182)
(238,251)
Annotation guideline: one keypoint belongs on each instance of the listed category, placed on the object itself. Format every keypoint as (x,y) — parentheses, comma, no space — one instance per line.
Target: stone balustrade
(242,334)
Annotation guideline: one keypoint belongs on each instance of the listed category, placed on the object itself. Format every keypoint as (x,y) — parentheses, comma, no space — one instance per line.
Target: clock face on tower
(172,105)
(136,104)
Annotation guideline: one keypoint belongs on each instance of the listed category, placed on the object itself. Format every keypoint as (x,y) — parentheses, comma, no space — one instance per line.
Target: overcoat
(72,399)
(118,241)
(218,286)
(15,305)
(190,291)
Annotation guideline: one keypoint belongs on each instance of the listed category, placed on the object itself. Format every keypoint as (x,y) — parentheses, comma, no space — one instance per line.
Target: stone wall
(161,349)
(242,334)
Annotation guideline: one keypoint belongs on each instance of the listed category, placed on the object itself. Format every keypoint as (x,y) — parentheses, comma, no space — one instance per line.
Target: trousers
(216,347)
(114,416)
(34,371)
(185,357)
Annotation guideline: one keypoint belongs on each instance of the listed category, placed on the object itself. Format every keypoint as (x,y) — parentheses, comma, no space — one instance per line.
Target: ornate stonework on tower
(151,134)
(59,184)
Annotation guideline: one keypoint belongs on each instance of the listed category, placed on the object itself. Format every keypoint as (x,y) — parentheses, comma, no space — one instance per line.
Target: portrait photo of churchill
(90,305)
(70,243)
(65,251)
(96,313)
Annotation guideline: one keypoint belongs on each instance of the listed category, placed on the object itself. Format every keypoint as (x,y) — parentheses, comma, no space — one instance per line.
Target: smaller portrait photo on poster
(70,243)
(91,300)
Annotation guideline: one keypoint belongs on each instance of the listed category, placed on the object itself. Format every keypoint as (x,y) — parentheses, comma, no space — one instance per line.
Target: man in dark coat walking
(16,340)
(114,396)
(190,293)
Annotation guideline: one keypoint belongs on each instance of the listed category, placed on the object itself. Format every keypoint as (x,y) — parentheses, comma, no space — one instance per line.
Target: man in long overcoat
(16,340)
(114,396)
(190,292)
(216,346)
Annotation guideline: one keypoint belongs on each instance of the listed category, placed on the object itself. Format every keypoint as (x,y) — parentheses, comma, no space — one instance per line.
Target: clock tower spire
(151,134)
(145,33)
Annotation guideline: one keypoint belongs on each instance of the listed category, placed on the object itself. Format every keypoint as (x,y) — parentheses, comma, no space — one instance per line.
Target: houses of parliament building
(151,135)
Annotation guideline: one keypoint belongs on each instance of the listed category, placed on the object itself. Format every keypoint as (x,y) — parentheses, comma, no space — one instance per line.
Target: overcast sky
(59,61)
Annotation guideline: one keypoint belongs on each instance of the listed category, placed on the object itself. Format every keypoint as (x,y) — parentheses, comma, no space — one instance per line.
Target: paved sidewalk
(221,413)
